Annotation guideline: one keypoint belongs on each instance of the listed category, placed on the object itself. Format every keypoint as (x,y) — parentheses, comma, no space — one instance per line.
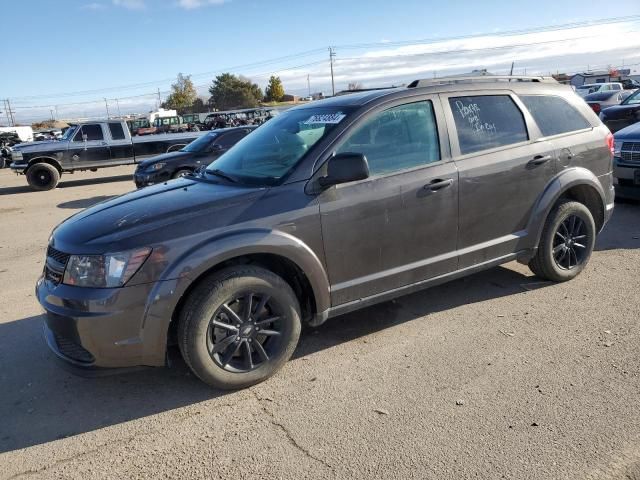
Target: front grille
(55,264)
(72,350)
(58,256)
(630,152)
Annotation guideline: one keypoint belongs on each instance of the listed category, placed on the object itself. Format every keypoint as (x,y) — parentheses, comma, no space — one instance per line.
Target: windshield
(69,133)
(201,144)
(633,99)
(272,150)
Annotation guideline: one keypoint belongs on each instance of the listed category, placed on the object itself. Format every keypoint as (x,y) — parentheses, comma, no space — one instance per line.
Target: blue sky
(66,46)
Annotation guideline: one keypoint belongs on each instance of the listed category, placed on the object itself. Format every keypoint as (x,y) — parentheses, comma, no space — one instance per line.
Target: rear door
(399,226)
(89,147)
(504,167)
(121,146)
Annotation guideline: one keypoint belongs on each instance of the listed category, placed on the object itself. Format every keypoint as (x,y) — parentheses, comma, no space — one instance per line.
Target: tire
(3,162)
(222,297)
(195,128)
(43,176)
(180,173)
(576,240)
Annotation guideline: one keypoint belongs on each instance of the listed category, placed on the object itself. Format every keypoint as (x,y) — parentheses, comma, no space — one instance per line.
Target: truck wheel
(43,176)
(239,326)
(181,173)
(566,243)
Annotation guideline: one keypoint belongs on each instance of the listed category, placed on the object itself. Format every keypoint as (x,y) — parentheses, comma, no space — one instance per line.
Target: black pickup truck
(89,146)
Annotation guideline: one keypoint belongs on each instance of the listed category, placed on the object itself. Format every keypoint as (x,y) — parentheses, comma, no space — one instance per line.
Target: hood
(632,132)
(154,214)
(620,111)
(165,157)
(36,146)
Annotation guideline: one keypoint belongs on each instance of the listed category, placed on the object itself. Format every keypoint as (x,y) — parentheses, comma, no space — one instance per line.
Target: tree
(275,90)
(183,94)
(230,91)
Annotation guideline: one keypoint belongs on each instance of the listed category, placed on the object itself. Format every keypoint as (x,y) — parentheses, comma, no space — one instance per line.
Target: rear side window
(487,121)
(117,133)
(397,139)
(554,115)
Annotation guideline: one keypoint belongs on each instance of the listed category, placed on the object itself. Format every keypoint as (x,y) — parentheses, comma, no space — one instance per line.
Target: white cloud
(130,4)
(192,4)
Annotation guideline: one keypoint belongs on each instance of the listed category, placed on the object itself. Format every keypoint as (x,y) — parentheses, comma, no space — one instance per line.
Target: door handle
(438,184)
(539,160)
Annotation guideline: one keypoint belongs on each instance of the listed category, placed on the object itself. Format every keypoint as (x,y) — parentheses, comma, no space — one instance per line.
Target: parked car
(630,84)
(623,115)
(141,126)
(325,209)
(601,100)
(171,125)
(89,146)
(584,90)
(198,153)
(193,122)
(7,141)
(626,161)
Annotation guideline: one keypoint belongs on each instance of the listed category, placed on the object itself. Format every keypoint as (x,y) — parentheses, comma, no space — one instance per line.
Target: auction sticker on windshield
(326,118)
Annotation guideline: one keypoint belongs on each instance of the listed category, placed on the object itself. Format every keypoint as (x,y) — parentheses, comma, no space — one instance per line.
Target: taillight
(595,107)
(610,142)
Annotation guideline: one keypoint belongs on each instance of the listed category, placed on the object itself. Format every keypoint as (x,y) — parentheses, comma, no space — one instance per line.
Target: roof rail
(428,82)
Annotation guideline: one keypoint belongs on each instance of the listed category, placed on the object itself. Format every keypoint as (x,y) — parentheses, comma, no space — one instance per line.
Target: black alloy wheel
(244,333)
(570,243)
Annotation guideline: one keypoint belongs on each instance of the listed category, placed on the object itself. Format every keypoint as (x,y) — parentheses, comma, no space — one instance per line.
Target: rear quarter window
(487,121)
(554,115)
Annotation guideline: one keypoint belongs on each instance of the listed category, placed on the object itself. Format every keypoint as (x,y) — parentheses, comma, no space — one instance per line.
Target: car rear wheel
(239,326)
(566,243)
(43,176)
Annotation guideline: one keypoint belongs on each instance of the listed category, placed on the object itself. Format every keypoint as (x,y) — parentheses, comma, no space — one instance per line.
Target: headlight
(157,166)
(104,271)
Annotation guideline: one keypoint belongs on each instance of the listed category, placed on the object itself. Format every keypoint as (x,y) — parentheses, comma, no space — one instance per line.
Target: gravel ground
(497,375)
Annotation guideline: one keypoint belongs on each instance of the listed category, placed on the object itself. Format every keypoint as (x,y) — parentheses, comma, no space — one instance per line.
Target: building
(600,76)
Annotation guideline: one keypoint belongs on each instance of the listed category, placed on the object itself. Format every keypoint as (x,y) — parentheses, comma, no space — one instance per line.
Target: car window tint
(117,132)
(93,132)
(231,138)
(554,115)
(399,138)
(488,121)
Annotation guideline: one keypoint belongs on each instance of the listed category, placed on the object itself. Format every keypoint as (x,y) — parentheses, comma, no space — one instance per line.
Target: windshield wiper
(219,173)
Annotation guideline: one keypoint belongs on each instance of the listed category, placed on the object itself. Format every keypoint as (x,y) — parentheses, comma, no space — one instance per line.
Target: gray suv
(328,208)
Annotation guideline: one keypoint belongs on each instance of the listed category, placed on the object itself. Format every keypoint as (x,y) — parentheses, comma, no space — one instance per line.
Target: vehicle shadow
(623,230)
(69,184)
(42,402)
(84,202)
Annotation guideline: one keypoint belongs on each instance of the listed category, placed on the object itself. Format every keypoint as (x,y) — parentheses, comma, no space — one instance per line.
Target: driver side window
(396,139)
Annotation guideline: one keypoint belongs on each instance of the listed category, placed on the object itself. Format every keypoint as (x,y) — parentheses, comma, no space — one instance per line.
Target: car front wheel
(239,326)
(566,243)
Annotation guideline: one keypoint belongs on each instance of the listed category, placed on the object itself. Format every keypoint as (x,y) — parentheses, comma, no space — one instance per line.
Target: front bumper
(625,170)
(99,328)
(144,179)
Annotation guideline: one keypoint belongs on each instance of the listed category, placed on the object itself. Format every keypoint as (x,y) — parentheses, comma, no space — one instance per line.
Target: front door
(400,225)
(89,148)
(504,167)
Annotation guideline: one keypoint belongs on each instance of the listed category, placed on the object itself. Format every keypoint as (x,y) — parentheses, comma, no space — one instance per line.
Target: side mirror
(345,167)
(84,137)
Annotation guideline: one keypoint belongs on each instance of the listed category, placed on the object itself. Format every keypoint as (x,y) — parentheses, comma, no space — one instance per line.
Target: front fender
(558,186)
(179,276)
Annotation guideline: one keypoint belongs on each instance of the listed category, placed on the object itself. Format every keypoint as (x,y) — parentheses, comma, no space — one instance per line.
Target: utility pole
(511,72)
(308,84)
(333,85)
(52,117)
(107,107)
(10,112)
(159,100)
(118,105)
(6,111)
